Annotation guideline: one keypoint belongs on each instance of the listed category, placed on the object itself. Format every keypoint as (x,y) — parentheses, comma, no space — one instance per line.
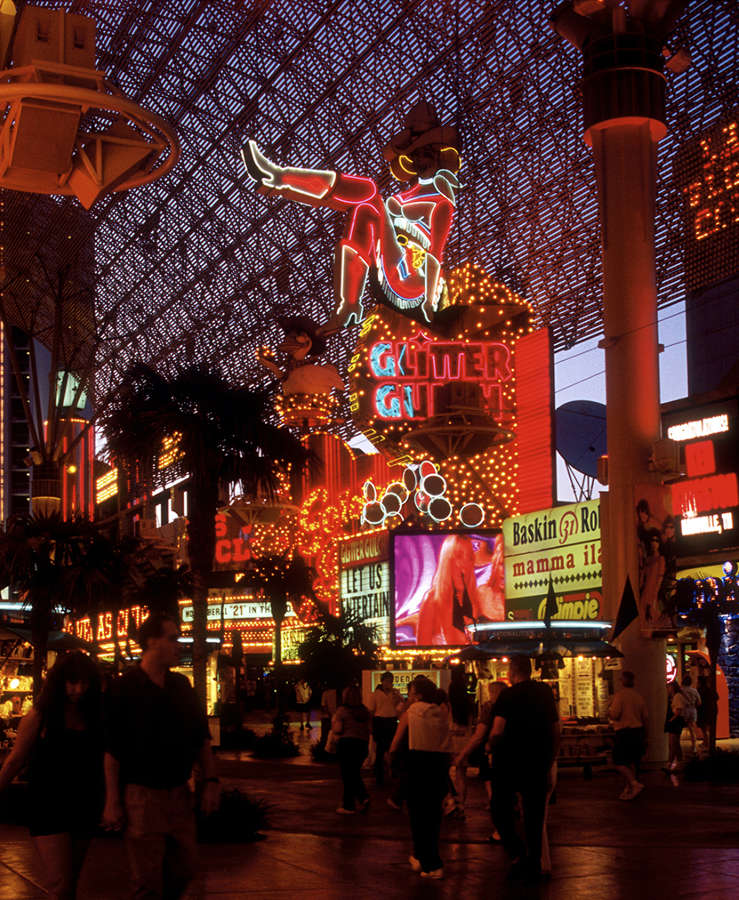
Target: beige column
(625,151)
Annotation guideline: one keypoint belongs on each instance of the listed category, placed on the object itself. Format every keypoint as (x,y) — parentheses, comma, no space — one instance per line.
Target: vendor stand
(575,661)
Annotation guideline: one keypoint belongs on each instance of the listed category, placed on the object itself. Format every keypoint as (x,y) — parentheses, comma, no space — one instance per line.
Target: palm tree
(338,648)
(281,579)
(57,566)
(136,572)
(221,435)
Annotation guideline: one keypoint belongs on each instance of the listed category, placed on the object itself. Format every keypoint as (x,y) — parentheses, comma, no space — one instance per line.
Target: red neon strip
(702,495)
(534,435)
(700,458)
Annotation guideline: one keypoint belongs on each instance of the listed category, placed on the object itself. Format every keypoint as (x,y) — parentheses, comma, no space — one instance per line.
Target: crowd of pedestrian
(126,758)
(426,743)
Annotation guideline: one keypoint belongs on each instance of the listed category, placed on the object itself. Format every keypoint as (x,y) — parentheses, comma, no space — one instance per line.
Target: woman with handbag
(61,741)
(350,731)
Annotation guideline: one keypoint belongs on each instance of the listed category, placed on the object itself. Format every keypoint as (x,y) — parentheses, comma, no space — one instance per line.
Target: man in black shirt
(525,742)
(156,732)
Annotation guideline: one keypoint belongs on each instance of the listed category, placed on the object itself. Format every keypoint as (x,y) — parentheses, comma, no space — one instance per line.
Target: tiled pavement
(670,842)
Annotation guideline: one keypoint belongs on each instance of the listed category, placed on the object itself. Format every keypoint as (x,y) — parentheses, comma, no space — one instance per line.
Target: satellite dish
(580,427)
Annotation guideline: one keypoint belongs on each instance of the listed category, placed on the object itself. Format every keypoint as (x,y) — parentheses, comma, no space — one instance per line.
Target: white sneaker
(436,874)
(626,793)
(345,812)
(415,863)
(636,788)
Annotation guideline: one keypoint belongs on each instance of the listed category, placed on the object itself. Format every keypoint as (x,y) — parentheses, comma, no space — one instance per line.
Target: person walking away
(398,756)
(476,745)
(385,704)
(525,741)
(674,724)
(303,694)
(460,704)
(61,739)
(426,722)
(693,702)
(628,713)
(351,725)
(329,705)
(156,733)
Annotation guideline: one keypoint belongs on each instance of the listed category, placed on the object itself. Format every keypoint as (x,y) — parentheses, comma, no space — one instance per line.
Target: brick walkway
(670,842)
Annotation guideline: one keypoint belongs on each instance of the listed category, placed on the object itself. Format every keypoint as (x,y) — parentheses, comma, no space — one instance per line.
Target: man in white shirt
(628,712)
(385,704)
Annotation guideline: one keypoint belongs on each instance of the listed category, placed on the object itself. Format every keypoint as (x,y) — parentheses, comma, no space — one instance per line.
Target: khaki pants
(62,856)
(160,840)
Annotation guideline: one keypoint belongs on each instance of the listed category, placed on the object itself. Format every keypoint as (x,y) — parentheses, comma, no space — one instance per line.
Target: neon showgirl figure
(400,240)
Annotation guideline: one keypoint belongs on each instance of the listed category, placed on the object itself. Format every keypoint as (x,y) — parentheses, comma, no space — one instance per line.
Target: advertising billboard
(444,583)
(364,581)
(561,544)
(705,502)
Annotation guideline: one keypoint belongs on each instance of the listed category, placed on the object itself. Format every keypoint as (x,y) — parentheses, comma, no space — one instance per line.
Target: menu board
(584,694)
(566,691)
(604,698)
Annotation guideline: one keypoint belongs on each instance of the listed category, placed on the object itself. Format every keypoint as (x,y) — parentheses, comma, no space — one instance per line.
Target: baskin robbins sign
(562,543)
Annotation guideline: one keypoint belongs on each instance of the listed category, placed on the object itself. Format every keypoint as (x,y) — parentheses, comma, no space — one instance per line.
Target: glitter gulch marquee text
(411,372)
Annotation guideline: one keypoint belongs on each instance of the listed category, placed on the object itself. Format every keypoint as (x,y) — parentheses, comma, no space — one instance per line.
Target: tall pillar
(623,98)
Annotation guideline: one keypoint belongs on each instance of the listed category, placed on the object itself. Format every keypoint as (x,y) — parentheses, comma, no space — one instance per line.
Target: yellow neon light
(171,451)
(404,167)
(106,486)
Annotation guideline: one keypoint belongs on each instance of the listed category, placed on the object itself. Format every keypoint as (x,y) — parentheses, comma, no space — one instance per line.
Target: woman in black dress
(61,742)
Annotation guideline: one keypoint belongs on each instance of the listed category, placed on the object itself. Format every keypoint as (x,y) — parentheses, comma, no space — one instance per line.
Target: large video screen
(444,584)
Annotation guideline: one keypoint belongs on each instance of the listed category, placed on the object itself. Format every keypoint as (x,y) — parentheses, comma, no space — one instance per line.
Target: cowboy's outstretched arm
(271,365)
(440,224)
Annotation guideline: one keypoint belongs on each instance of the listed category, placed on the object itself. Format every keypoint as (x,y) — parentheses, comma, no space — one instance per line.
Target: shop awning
(557,647)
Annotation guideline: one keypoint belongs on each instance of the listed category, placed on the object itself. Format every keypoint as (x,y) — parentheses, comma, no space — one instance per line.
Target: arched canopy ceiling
(194,266)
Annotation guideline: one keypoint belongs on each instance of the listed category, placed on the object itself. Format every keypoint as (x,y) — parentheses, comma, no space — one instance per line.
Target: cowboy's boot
(351,281)
(304,185)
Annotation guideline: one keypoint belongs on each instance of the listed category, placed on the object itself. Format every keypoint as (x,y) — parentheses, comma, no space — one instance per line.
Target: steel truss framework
(194,266)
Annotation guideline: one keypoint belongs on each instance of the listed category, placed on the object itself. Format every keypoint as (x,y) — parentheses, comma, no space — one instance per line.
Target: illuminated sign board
(402,678)
(409,374)
(479,389)
(707,168)
(363,548)
(243,610)
(698,428)
(444,584)
(706,501)
(364,581)
(562,544)
(106,486)
(232,547)
(365,591)
(128,621)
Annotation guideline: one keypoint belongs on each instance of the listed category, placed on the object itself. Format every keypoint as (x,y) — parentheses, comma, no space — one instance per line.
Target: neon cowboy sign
(411,372)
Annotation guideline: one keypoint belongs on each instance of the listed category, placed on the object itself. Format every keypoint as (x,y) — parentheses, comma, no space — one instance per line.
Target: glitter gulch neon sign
(412,371)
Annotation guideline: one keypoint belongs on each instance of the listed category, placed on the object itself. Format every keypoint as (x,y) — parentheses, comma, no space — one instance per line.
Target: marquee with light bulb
(465,404)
